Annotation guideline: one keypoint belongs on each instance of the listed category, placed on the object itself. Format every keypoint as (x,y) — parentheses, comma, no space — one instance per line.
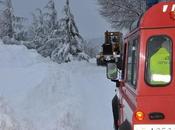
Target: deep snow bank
(42,95)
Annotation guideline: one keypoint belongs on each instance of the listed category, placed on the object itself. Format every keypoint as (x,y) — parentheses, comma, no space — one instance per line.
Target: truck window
(159,53)
(132,62)
(107,49)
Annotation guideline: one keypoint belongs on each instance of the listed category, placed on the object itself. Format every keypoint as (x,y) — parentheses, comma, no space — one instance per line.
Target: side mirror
(111,71)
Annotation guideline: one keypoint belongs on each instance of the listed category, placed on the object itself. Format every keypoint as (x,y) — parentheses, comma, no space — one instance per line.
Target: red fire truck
(146,87)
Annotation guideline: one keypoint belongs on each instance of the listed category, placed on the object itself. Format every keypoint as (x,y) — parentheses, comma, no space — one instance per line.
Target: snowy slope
(37,94)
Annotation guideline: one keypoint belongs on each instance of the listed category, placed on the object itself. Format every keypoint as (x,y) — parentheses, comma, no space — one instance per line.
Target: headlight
(114,53)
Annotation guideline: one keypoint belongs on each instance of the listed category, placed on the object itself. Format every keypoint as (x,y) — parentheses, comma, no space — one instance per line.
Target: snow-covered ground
(37,94)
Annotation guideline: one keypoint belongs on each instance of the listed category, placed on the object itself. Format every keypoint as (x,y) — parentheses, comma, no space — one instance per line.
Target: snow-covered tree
(51,40)
(51,15)
(20,32)
(10,25)
(71,42)
(93,47)
(58,39)
(37,30)
(6,19)
(122,13)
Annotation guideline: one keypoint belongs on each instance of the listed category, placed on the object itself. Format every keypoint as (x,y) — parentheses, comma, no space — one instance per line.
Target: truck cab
(110,48)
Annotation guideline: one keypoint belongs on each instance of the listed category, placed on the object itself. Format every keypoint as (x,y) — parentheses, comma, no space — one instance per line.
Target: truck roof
(161,15)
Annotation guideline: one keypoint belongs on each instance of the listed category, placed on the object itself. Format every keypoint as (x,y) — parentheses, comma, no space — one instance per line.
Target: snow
(37,94)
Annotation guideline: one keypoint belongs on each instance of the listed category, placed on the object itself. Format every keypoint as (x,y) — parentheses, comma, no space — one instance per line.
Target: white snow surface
(37,94)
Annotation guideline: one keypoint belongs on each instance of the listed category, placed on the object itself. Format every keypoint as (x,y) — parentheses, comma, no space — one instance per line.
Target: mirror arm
(113,80)
(117,83)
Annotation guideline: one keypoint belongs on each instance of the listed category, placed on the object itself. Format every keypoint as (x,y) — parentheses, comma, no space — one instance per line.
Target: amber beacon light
(139,115)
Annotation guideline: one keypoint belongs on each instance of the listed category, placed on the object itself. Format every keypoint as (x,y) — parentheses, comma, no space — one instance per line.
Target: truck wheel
(125,125)
(98,62)
(115,109)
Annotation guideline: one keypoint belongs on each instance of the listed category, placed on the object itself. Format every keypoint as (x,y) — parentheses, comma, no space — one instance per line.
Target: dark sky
(89,22)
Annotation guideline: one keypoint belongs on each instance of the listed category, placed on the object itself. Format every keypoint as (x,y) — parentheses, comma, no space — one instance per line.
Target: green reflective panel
(160,67)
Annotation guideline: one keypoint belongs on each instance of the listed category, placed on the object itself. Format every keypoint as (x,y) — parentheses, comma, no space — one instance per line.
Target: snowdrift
(37,94)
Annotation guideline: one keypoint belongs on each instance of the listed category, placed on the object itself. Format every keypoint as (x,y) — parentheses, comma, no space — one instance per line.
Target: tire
(115,109)
(98,62)
(125,125)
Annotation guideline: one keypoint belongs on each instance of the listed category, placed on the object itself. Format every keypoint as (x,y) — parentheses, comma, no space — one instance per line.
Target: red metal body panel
(143,88)
(163,104)
(158,16)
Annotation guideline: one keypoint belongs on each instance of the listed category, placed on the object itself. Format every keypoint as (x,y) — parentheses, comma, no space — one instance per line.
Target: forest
(58,37)
(53,37)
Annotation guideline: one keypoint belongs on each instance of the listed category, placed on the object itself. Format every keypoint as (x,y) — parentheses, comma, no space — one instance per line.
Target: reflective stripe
(165,7)
(160,77)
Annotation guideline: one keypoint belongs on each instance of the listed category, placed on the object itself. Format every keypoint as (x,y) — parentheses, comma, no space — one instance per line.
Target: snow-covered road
(37,94)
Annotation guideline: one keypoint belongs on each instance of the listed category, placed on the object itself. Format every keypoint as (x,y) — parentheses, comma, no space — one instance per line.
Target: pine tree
(7,16)
(58,39)
(10,25)
(71,42)
(37,30)
(20,32)
(51,15)
(50,26)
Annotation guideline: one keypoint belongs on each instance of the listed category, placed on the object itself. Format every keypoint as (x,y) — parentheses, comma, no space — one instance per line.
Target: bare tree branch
(121,13)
